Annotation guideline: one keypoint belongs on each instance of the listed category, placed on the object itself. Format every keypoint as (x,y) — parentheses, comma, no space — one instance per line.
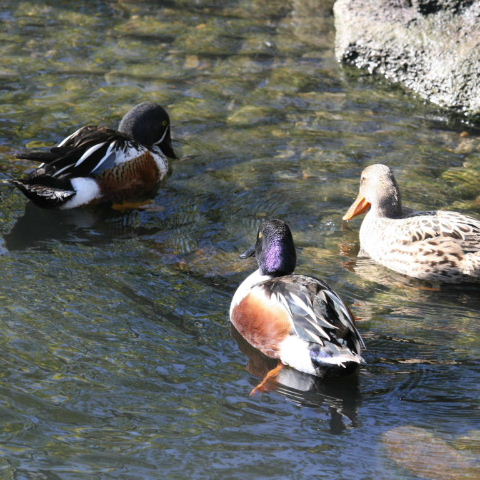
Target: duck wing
(87,152)
(317,312)
(463,229)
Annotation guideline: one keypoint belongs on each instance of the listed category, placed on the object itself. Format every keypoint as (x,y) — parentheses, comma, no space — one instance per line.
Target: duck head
(149,124)
(379,191)
(274,249)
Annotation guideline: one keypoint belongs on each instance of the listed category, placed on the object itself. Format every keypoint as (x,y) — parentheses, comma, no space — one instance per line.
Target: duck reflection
(409,287)
(340,394)
(38,227)
(361,264)
(367,269)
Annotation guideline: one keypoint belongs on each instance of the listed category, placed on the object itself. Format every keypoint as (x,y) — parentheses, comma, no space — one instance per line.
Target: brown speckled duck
(439,246)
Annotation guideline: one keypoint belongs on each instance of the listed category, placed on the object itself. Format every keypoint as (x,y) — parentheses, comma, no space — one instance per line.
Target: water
(117,358)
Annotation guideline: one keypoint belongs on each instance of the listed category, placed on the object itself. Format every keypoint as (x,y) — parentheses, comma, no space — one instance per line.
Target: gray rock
(430,46)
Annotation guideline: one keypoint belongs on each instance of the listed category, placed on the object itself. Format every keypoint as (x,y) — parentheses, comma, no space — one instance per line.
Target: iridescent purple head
(274,249)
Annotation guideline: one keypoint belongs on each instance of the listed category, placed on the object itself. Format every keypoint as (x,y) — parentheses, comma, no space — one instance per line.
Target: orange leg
(269,377)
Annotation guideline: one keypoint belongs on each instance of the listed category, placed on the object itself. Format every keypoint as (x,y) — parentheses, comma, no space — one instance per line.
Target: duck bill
(248,253)
(359,206)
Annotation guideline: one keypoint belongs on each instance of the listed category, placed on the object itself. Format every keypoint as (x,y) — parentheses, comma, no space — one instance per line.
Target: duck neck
(389,205)
(244,288)
(257,277)
(277,260)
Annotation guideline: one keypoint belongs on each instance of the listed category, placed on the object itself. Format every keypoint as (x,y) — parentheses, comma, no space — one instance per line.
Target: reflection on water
(38,227)
(116,356)
(340,395)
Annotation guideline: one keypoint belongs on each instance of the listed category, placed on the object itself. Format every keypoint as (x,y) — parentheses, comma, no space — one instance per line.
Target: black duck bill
(248,253)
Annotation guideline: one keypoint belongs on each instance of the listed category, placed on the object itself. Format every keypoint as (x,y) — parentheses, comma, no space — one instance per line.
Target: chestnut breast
(129,179)
(262,321)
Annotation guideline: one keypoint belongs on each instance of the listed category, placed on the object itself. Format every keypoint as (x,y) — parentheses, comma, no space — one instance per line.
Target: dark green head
(149,124)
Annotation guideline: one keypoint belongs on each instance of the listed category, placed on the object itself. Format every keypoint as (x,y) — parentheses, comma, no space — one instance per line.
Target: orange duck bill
(359,206)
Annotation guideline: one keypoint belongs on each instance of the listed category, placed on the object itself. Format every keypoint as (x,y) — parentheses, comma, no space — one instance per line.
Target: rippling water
(117,358)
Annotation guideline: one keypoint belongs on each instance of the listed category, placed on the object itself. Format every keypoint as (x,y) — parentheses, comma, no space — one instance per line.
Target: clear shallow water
(117,358)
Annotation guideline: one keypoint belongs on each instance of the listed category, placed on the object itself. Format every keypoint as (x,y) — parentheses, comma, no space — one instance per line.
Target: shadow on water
(37,227)
(114,325)
(341,395)
(102,224)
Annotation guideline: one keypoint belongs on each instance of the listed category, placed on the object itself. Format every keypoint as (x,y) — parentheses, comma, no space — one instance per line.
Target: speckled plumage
(438,246)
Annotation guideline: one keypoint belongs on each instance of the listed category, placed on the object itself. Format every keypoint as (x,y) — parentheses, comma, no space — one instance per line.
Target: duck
(437,246)
(296,319)
(96,164)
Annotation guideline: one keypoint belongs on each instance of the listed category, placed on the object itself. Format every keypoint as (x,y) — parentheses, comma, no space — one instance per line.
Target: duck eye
(164,123)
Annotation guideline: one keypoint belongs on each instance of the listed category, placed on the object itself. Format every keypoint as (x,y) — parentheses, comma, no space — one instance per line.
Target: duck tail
(37,156)
(472,264)
(331,355)
(45,191)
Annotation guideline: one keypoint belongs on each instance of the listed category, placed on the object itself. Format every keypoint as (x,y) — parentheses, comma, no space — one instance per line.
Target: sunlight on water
(117,356)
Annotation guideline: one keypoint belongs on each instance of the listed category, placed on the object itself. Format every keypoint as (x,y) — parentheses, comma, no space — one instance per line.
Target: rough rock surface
(429,46)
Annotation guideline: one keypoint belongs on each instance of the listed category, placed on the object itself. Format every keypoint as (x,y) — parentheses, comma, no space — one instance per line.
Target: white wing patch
(58,172)
(116,154)
(88,153)
(127,152)
(66,139)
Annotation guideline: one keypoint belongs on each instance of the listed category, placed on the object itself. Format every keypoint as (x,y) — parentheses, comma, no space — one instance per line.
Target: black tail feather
(45,194)
(43,157)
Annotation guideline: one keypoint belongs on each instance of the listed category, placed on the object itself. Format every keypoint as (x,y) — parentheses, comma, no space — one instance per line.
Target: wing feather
(70,140)
(88,151)
(463,229)
(318,314)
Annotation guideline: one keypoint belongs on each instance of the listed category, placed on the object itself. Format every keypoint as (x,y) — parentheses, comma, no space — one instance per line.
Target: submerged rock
(428,456)
(429,46)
